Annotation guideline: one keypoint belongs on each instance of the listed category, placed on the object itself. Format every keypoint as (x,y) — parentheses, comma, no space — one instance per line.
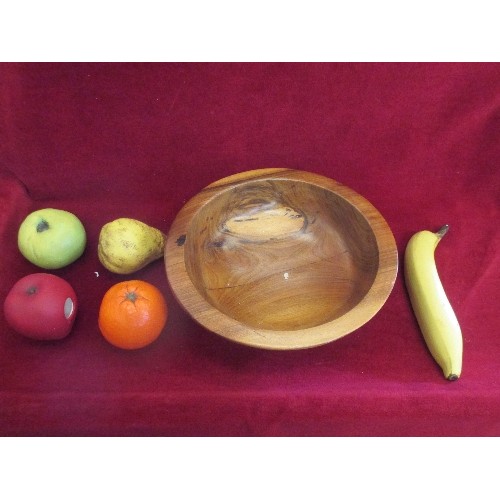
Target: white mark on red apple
(69,307)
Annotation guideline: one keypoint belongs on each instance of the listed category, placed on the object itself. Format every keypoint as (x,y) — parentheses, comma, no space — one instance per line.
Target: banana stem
(443,231)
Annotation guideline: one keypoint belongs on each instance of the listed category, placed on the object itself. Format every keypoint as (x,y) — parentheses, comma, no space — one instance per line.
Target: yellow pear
(127,245)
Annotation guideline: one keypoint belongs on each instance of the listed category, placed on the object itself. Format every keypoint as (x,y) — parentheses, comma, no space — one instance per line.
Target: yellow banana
(435,316)
(127,245)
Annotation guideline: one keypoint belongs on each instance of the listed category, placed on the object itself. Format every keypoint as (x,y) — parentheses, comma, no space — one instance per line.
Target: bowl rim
(213,319)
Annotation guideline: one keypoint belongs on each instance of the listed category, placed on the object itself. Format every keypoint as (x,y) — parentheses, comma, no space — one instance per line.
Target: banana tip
(453,377)
(443,230)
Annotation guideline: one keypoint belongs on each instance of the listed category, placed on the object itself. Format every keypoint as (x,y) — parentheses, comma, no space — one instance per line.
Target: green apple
(51,238)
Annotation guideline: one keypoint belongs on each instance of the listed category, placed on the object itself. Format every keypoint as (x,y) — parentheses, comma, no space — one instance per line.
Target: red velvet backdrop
(420,141)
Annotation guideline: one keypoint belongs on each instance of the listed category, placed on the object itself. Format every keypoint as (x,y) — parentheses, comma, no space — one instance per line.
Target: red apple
(41,306)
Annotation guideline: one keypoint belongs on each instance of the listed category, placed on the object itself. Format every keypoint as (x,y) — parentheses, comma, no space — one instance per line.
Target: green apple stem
(43,225)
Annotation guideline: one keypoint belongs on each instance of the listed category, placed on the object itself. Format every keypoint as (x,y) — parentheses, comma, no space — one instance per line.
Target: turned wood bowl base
(280,259)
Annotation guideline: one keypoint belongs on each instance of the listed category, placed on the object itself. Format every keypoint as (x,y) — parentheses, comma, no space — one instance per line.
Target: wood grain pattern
(280,259)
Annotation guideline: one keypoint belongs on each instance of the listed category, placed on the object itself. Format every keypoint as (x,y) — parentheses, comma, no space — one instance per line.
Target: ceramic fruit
(51,238)
(41,306)
(132,314)
(127,245)
(434,313)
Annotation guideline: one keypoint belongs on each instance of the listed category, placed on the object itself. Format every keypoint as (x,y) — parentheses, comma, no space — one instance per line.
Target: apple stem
(31,290)
(43,225)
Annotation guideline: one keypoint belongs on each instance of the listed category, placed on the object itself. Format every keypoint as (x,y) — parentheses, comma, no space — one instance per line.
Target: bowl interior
(281,255)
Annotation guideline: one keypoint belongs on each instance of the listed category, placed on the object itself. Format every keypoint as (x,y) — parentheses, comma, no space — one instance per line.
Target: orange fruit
(132,314)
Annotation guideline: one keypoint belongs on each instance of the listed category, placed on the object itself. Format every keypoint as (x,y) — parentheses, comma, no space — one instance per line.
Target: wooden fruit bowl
(280,259)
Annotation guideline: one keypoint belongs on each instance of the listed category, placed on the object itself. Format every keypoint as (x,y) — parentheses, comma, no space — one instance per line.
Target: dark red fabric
(420,141)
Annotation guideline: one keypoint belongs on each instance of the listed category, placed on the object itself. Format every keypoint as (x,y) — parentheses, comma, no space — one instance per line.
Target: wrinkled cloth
(420,141)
